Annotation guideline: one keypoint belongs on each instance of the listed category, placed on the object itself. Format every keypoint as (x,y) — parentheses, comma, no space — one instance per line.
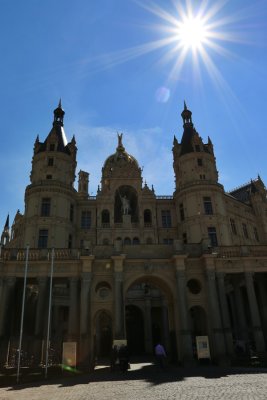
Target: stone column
(7,292)
(241,327)
(40,323)
(73,310)
(254,313)
(186,349)
(219,351)
(148,326)
(118,297)
(262,285)
(85,328)
(225,313)
(165,326)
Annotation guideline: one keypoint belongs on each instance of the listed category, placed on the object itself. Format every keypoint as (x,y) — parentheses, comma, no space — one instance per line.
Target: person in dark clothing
(113,357)
(124,358)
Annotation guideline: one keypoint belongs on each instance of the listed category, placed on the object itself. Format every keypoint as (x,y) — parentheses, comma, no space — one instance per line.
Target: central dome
(121,159)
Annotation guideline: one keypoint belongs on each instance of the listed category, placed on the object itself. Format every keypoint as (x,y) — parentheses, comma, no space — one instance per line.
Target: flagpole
(49,312)
(22,309)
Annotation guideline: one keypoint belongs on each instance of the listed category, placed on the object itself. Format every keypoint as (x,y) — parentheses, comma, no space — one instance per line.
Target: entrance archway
(135,329)
(147,316)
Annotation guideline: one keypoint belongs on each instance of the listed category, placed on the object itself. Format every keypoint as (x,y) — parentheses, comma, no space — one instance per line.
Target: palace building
(131,264)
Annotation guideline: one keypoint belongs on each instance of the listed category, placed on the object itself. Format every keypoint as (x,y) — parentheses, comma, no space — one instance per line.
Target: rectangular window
(207,206)
(86,220)
(70,242)
(50,162)
(245,230)
(213,236)
(45,207)
(43,238)
(256,234)
(181,207)
(184,238)
(71,212)
(52,147)
(167,241)
(233,226)
(199,162)
(197,147)
(48,176)
(166,218)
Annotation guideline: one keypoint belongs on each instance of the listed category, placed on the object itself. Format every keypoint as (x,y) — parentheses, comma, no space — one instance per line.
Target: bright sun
(192,33)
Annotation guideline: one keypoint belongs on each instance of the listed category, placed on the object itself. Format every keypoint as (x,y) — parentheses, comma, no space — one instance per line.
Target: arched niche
(130,194)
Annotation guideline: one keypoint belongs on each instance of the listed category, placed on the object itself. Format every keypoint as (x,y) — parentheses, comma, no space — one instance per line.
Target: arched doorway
(135,329)
(147,316)
(103,334)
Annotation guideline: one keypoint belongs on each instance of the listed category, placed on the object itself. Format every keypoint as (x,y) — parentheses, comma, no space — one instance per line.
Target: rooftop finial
(185,107)
(59,103)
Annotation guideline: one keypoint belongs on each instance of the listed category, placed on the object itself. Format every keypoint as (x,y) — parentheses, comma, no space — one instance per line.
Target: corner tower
(50,198)
(199,198)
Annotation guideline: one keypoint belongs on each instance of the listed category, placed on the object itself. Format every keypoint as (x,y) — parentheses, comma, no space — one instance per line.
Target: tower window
(45,207)
(166,218)
(105,217)
(43,238)
(181,208)
(71,212)
(233,226)
(50,161)
(86,220)
(70,241)
(207,205)
(256,234)
(213,236)
(147,217)
(199,162)
(245,230)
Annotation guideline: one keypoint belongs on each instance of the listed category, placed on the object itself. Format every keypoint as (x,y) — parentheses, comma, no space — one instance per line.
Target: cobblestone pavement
(146,381)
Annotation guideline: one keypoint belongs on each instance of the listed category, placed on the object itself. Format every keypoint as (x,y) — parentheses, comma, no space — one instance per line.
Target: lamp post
(22,309)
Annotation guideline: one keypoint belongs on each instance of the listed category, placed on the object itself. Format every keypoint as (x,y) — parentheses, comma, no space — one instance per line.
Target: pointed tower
(198,194)
(193,160)
(5,237)
(51,196)
(55,151)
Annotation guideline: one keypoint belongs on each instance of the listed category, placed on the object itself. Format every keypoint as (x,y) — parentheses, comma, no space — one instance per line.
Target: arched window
(105,217)
(127,241)
(136,240)
(147,217)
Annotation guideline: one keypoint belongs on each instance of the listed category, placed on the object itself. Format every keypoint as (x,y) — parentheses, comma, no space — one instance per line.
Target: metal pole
(49,312)
(22,309)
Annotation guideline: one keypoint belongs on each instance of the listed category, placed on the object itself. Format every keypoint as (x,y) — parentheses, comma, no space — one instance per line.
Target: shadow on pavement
(148,372)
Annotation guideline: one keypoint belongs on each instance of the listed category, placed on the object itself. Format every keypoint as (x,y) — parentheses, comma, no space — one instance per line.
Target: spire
(7,223)
(187,116)
(59,115)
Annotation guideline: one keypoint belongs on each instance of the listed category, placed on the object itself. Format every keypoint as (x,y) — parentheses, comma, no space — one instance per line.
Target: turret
(55,158)
(193,160)
(83,183)
(5,237)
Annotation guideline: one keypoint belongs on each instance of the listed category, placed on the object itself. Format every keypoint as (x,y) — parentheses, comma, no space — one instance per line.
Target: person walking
(160,354)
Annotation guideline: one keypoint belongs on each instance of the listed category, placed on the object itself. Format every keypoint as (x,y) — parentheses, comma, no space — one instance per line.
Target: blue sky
(107,61)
